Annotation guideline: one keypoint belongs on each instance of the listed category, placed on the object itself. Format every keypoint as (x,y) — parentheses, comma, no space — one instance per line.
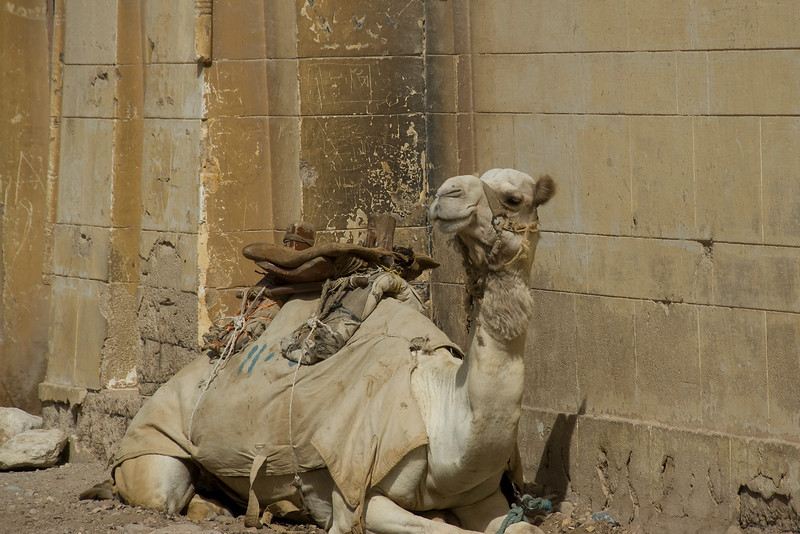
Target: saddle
(333,260)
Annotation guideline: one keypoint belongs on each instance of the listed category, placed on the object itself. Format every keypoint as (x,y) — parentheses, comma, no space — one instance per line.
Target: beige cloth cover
(353,412)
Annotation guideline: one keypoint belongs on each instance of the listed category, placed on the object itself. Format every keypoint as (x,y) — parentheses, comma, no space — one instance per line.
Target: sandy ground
(46,501)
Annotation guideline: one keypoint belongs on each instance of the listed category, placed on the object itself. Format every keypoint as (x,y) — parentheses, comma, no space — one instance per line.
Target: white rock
(14,421)
(32,448)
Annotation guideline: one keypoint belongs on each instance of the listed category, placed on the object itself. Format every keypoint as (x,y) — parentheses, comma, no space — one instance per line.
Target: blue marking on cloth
(255,359)
(250,355)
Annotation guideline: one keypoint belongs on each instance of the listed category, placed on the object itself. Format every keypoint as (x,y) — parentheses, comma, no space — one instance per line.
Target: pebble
(14,489)
(566,508)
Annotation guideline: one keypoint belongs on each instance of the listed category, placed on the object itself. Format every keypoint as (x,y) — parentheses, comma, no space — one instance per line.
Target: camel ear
(545,189)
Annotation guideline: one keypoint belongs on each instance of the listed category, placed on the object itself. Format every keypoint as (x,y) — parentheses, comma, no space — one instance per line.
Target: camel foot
(101,491)
(200,508)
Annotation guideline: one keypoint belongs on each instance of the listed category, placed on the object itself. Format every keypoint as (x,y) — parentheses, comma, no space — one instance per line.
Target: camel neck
(493,372)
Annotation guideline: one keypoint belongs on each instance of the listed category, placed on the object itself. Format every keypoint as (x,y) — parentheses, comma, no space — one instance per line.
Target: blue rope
(528,506)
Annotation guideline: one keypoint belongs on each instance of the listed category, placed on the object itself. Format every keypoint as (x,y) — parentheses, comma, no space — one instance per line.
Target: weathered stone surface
(14,421)
(370,28)
(32,448)
(727,165)
(606,358)
(350,165)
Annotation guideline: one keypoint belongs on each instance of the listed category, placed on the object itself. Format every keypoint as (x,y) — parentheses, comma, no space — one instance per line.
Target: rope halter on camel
(501,222)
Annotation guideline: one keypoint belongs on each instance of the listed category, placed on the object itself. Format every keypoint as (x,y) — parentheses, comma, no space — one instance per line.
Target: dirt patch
(46,502)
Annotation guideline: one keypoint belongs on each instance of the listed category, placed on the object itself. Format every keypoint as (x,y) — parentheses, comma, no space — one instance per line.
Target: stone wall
(664,351)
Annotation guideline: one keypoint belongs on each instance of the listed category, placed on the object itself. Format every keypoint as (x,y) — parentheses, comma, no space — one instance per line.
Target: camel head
(494,217)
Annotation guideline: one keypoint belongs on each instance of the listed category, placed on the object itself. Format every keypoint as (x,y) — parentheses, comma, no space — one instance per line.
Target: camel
(470,408)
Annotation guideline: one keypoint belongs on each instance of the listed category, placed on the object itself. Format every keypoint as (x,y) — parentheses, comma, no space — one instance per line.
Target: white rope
(239,323)
(313,322)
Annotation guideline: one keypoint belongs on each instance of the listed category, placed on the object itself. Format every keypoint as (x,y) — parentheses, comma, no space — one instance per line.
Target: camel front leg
(487,515)
(384,516)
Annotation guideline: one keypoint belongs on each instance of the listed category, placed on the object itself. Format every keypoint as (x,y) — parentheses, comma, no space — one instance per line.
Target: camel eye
(513,200)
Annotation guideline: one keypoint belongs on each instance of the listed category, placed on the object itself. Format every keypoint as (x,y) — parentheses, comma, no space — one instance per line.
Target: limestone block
(721,24)
(691,478)
(160,361)
(32,448)
(610,470)
(667,365)
(280,28)
(765,476)
(283,94)
(492,147)
(600,25)
(168,260)
(129,92)
(778,24)
(657,25)
(440,84)
(89,91)
(449,311)
(602,175)
(561,262)
(662,177)
(239,31)
(352,165)
(238,191)
(485,37)
(130,49)
(759,277)
(370,28)
(783,361)
(637,82)
(170,182)
(548,448)
(14,421)
(771,73)
(440,24)
(126,188)
(368,85)
(78,331)
(123,255)
(606,357)
(728,169)
(173,91)
(646,268)
(84,184)
(237,88)
(170,31)
(284,144)
(551,354)
(443,145)
(123,342)
(168,316)
(545,144)
(91,32)
(692,83)
(81,251)
(451,268)
(549,83)
(780,167)
(733,366)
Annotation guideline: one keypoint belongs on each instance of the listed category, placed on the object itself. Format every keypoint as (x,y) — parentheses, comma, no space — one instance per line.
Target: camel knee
(154,481)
